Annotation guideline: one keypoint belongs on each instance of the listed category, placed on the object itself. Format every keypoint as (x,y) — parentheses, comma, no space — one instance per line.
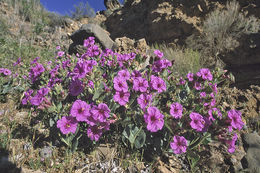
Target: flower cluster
(96,117)
(36,71)
(98,84)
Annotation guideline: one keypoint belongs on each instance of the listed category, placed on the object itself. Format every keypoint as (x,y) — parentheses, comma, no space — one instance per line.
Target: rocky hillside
(178,22)
(192,27)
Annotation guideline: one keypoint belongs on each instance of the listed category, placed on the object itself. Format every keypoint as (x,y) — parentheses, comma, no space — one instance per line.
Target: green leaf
(99,91)
(136,136)
(193,159)
(52,109)
(140,139)
(51,122)
(59,106)
(75,144)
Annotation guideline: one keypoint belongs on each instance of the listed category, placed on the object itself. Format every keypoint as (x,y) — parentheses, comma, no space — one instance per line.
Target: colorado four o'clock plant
(101,94)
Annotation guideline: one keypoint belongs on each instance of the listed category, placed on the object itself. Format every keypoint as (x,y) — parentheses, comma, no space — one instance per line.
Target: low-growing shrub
(221,31)
(55,19)
(82,10)
(108,96)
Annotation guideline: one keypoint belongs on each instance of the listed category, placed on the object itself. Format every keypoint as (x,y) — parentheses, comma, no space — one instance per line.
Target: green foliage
(3,29)
(38,28)
(4,140)
(28,10)
(221,31)
(82,10)
(54,19)
(136,136)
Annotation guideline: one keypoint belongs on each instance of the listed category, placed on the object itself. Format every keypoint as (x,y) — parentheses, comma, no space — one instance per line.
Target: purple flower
(161,64)
(132,55)
(90,64)
(7,72)
(65,64)
(140,84)
(122,97)
(236,120)
(158,84)
(182,81)
(76,87)
(232,144)
(38,98)
(203,94)
(179,144)
(100,112)
(53,81)
(93,51)
(36,71)
(80,69)
(158,66)
(108,52)
(89,42)
(94,133)
(54,71)
(176,110)
(67,124)
(120,84)
(213,102)
(197,86)
(197,121)
(58,48)
(17,62)
(60,53)
(158,53)
(136,73)
(205,74)
(154,119)
(190,76)
(207,124)
(27,96)
(124,74)
(80,110)
(167,63)
(214,111)
(90,84)
(214,87)
(144,99)
(35,60)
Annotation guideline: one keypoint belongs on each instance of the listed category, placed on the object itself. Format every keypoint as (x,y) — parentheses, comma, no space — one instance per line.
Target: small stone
(46,152)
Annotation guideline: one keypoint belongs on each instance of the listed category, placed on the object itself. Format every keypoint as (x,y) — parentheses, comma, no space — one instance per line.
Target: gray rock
(252,147)
(88,30)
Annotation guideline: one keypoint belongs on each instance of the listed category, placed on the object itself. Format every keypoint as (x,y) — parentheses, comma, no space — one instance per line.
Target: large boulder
(90,30)
(156,21)
(244,61)
(252,158)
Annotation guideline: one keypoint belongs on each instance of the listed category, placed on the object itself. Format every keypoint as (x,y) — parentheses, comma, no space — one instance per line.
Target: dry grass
(185,60)
(221,32)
